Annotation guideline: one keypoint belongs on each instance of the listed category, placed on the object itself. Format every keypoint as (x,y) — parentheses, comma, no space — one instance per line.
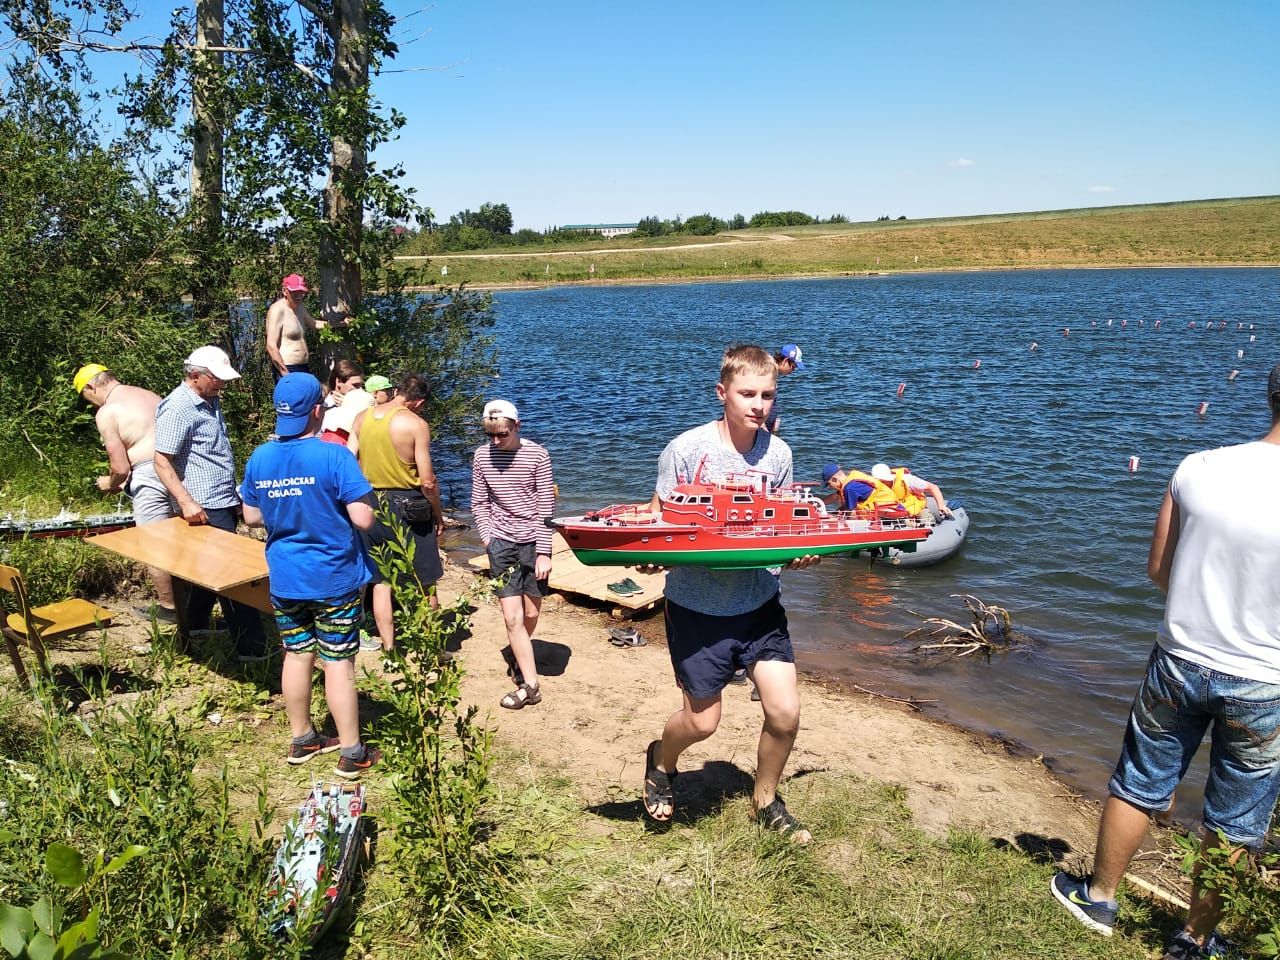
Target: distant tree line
(491,226)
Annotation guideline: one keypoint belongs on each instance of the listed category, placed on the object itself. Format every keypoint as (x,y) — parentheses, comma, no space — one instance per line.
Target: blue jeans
(243,622)
(1178,702)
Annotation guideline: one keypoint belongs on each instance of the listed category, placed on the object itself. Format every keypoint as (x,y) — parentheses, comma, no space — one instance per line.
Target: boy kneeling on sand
(719,621)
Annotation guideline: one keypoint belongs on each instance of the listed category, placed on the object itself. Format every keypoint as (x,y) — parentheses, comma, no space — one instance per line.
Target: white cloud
(1099,188)
(962,162)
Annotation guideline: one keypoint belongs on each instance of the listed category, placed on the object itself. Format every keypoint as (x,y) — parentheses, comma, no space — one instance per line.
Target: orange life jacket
(883,494)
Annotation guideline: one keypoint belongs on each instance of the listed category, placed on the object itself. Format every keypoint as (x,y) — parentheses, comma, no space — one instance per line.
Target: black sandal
(658,790)
(777,817)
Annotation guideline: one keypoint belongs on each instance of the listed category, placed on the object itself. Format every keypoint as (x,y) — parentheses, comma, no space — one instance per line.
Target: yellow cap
(87,373)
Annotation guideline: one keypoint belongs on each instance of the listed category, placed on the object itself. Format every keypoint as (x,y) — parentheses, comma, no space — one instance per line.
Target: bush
(1248,885)
(437,757)
(126,779)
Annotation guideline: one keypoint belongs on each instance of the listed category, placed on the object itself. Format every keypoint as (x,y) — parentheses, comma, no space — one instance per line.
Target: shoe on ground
(369,642)
(355,769)
(162,614)
(1183,947)
(739,676)
(262,657)
(302,752)
(1074,895)
(755,694)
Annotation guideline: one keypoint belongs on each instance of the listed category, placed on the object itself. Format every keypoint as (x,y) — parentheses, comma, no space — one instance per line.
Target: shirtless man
(126,421)
(287,325)
(393,444)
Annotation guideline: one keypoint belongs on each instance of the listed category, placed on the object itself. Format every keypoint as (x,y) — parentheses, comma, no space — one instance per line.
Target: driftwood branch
(990,629)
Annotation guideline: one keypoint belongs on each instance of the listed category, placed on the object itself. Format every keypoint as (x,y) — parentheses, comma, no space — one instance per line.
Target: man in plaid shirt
(193,460)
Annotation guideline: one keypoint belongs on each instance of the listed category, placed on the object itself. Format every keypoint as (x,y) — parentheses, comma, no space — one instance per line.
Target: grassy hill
(1192,233)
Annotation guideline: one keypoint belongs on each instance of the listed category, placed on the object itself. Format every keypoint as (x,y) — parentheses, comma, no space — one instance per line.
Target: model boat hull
(315,863)
(595,543)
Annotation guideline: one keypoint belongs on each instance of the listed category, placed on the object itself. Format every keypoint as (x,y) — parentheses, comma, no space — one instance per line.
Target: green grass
(603,885)
(1203,233)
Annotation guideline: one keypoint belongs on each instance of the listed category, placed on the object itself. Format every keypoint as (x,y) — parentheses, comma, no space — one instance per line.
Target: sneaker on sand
(353,769)
(369,641)
(302,752)
(739,676)
(1182,947)
(1074,895)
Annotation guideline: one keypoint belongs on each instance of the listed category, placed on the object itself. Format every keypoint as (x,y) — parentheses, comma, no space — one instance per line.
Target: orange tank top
(378,459)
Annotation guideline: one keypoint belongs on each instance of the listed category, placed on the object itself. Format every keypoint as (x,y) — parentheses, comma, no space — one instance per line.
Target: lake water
(1034,443)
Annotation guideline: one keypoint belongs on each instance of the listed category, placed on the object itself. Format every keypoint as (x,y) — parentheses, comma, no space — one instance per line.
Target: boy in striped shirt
(512,495)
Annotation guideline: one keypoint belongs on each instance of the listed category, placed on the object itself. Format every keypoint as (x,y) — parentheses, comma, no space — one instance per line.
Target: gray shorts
(513,564)
(150,499)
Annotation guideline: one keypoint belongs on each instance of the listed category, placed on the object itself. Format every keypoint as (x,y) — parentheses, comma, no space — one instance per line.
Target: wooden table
(221,562)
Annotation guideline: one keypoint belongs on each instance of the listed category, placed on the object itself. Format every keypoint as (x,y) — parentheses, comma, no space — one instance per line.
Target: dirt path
(602,704)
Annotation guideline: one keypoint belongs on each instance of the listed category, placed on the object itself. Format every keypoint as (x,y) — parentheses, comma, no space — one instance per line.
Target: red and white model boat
(735,525)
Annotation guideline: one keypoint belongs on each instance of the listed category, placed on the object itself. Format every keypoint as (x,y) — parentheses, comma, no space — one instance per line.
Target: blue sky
(574,112)
(602,112)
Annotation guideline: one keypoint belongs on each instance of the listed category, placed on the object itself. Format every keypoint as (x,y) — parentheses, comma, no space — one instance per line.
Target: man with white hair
(194,462)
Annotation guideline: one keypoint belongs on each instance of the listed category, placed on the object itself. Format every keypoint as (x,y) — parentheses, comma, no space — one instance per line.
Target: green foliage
(437,756)
(131,772)
(57,568)
(1248,885)
(39,933)
(783,218)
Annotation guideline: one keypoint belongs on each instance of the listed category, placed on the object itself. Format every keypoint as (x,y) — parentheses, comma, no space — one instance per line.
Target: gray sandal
(522,696)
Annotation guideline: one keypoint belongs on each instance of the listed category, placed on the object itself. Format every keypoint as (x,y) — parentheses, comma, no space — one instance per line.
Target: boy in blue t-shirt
(312,498)
(721,621)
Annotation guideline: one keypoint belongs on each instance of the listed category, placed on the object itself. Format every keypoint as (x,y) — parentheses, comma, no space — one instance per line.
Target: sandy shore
(602,704)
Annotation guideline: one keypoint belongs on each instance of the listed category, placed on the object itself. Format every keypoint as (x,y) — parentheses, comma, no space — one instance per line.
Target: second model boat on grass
(736,525)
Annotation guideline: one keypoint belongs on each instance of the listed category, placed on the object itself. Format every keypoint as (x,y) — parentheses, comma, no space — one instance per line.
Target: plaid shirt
(191,432)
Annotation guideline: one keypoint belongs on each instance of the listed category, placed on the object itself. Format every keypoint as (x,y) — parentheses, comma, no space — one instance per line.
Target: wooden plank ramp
(569,575)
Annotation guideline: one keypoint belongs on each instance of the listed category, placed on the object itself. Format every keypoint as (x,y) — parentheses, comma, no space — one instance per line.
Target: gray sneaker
(1074,895)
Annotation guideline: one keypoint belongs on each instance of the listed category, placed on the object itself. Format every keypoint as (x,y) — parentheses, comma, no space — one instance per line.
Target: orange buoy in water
(902,388)
(1133,464)
(1157,324)
(1191,325)
(977,364)
(1239,354)
(1204,408)
(1124,323)
(1066,331)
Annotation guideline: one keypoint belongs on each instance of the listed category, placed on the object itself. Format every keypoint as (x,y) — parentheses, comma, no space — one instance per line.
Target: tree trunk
(340,288)
(209,273)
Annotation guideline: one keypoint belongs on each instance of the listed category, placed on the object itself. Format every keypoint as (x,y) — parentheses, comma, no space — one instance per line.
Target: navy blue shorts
(706,650)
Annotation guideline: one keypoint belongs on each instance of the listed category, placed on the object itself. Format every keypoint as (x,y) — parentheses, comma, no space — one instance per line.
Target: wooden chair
(32,626)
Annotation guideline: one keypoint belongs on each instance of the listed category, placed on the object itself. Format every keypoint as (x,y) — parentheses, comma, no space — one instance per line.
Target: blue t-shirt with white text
(303,486)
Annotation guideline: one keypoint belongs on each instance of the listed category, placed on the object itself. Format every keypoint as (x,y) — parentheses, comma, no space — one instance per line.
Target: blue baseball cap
(295,396)
(829,471)
(791,352)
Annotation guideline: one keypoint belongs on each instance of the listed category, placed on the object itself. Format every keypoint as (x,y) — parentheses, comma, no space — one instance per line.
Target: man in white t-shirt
(1215,552)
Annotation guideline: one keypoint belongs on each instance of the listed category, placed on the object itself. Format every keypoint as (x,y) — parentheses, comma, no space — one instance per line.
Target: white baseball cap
(215,360)
(501,408)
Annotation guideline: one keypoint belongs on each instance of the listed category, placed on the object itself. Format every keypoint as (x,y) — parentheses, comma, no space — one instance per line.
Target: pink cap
(294,283)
